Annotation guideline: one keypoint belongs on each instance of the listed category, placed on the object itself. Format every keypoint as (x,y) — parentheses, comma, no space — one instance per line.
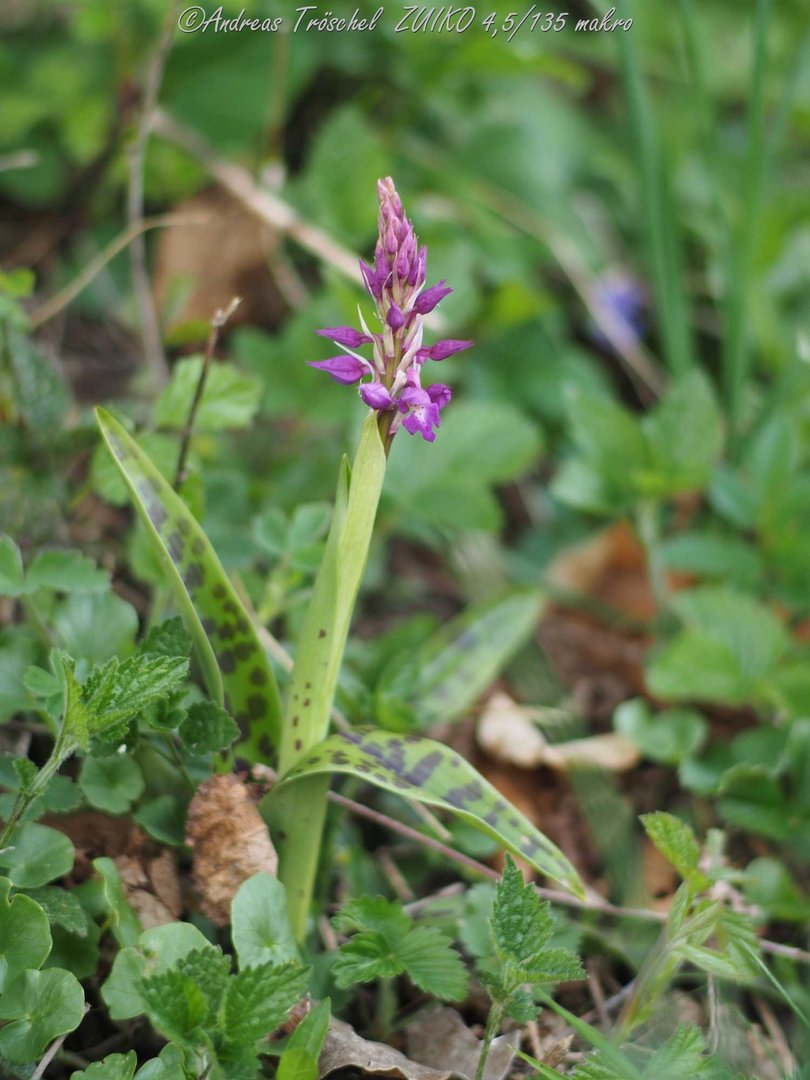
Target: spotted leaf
(432,773)
(235,666)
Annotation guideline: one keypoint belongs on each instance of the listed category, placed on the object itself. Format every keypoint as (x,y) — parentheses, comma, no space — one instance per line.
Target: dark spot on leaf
(340,757)
(226,632)
(244,649)
(175,545)
(209,626)
(197,546)
(243,721)
(308,686)
(281,835)
(194,575)
(242,625)
(295,721)
(230,607)
(424,769)
(307,702)
(184,525)
(322,633)
(256,705)
(159,516)
(227,661)
(265,746)
(298,744)
(218,591)
(258,676)
(460,796)
(492,818)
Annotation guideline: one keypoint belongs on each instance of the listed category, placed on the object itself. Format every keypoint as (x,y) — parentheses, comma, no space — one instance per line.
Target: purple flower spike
(395,318)
(442,349)
(343,369)
(427,301)
(395,281)
(376,396)
(345,335)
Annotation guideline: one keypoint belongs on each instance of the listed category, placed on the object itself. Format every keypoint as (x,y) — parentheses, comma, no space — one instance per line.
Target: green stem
(649,531)
(298,812)
(62,749)
(386,1008)
(494,1021)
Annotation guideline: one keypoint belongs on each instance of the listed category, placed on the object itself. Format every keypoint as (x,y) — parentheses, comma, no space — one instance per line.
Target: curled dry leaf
(345,1049)
(230,843)
(151,888)
(507,732)
(438,1037)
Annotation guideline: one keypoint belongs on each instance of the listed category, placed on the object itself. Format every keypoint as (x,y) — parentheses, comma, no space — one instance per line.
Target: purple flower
(422,413)
(376,396)
(427,301)
(395,318)
(343,369)
(345,335)
(395,283)
(442,349)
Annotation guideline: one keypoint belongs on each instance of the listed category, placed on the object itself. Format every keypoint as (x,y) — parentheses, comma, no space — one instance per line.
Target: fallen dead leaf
(345,1049)
(230,843)
(508,733)
(439,1038)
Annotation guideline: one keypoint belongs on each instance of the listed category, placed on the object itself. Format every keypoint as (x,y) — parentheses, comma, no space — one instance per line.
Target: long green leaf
(235,666)
(432,773)
(463,658)
(612,1055)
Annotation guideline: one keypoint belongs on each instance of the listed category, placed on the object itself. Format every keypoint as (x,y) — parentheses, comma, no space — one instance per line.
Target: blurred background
(624,219)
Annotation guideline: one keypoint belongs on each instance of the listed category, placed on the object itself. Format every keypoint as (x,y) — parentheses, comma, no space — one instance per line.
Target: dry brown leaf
(506,731)
(230,843)
(155,900)
(345,1049)
(439,1038)
(227,256)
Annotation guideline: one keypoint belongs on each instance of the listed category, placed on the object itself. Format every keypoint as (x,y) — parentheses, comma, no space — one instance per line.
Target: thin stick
(150,325)
(221,316)
(60,300)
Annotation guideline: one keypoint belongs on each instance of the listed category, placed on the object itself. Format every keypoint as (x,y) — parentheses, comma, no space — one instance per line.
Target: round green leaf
(260,925)
(25,937)
(111,783)
(113,1067)
(51,1004)
(37,855)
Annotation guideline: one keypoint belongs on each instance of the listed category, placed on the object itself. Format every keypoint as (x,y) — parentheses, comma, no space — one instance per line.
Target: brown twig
(136,156)
(221,316)
(60,300)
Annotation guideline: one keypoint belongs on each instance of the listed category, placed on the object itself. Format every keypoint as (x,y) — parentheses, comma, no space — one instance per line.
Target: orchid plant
(295,736)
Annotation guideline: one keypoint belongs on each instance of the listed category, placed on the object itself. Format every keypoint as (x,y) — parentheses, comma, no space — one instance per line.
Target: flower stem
(298,812)
(494,1021)
(62,749)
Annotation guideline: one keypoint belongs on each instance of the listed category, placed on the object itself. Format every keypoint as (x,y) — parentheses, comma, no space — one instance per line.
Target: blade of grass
(737,350)
(659,218)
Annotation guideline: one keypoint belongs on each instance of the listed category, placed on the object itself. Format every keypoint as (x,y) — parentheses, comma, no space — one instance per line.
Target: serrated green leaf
(122,690)
(230,398)
(522,927)
(432,773)
(65,571)
(26,772)
(25,937)
(366,958)
(258,999)
(112,1067)
(235,665)
(685,436)
(36,856)
(680,1056)
(209,969)
(50,1004)
(677,843)
(466,655)
(157,951)
(432,964)
(169,638)
(207,728)
(260,925)
(175,1004)
(111,783)
(374,913)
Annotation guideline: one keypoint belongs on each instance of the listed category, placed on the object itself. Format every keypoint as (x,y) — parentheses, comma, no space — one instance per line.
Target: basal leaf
(432,773)
(25,937)
(36,856)
(49,1004)
(463,658)
(260,925)
(235,665)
